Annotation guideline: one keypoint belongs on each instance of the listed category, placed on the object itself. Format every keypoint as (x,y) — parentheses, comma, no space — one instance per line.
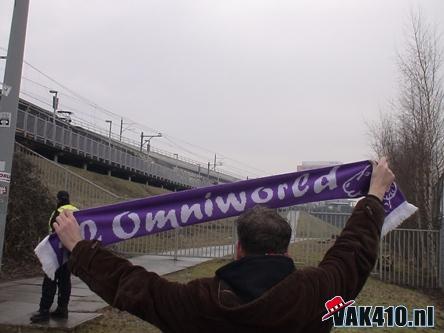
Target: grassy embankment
(118,186)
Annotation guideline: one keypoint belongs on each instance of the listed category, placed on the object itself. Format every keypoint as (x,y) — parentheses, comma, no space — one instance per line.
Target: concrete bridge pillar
(85,166)
(109,173)
(129,178)
(56,158)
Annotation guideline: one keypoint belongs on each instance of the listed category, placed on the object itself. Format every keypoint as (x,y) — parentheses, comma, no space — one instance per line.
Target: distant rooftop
(309,165)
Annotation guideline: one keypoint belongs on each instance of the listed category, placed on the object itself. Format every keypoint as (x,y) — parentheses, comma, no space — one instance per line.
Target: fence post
(379,260)
(176,242)
(441,235)
(234,238)
(441,254)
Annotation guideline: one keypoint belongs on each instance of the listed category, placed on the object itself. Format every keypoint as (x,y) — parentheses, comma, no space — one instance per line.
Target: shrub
(29,208)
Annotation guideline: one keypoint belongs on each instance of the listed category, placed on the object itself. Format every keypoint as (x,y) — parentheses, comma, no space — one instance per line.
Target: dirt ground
(11,270)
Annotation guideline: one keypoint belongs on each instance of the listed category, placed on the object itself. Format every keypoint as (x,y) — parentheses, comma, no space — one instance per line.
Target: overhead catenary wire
(173,141)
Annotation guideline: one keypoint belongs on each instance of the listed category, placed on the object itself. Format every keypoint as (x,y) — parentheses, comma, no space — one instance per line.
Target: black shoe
(60,313)
(40,316)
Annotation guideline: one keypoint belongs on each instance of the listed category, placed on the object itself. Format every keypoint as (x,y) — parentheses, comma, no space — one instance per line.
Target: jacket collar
(252,276)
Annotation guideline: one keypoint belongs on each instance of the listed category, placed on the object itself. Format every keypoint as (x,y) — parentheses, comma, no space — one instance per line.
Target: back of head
(62,198)
(262,230)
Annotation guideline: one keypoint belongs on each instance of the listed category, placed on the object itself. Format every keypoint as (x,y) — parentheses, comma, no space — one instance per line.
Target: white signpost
(9,104)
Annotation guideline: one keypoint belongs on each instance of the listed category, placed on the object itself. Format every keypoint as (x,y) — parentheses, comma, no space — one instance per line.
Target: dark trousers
(49,287)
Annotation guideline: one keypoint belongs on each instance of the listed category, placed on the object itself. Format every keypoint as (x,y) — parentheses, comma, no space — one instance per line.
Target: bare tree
(413,137)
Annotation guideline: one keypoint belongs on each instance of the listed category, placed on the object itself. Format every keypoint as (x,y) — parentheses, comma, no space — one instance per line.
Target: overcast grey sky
(268,83)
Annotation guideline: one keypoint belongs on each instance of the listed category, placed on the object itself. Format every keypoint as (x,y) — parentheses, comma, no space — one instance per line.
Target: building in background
(309,165)
(333,206)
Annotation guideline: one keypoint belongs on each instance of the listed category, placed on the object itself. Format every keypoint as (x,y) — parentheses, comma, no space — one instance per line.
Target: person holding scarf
(261,291)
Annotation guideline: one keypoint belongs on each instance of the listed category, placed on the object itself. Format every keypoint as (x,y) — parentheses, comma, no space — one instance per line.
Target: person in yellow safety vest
(62,279)
(57,212)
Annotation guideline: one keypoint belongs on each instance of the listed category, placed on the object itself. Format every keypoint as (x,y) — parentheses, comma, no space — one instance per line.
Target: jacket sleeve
(347,264)
(128,287)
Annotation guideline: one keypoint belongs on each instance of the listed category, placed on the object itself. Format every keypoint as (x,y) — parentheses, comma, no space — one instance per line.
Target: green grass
(316,240)
(309,252)
(311,226)
(118,186)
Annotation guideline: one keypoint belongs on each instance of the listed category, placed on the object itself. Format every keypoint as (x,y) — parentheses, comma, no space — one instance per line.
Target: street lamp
(176,157)
(55,103)
(110,122)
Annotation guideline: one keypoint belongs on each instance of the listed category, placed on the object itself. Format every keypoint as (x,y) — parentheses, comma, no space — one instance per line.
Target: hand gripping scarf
(117,222)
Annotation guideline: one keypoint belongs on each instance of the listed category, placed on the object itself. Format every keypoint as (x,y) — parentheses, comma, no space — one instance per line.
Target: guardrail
(83,192)
(134,144)
(409,257)
(208,240)
(65,137)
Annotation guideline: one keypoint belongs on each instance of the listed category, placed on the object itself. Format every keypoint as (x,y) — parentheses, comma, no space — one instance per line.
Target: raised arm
(348,263)
(121,284)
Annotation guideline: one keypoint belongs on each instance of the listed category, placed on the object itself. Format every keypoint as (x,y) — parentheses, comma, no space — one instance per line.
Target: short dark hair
(262,230)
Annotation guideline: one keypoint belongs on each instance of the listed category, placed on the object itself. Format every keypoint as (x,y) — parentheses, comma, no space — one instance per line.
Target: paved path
(19,298)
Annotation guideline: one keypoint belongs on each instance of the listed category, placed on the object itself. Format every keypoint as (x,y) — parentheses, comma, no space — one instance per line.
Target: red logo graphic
(334,305)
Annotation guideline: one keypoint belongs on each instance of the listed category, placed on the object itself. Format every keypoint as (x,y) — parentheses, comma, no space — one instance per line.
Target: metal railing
(135,144)
(312,235)
(311,238)
(409,257)
(208,240)
(88,139)
(131,143)
(79,141)
(83,192)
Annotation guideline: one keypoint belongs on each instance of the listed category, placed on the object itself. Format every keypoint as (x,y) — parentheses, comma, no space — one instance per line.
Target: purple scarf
(117,222)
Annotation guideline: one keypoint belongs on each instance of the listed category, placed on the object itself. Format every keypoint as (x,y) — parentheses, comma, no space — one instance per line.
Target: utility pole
(9,104)
(55,104)
(215,159)
(143,141)
(110,122)
(121,129)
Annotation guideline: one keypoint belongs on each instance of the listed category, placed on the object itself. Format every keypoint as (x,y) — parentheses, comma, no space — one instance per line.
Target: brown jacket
(294,302)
